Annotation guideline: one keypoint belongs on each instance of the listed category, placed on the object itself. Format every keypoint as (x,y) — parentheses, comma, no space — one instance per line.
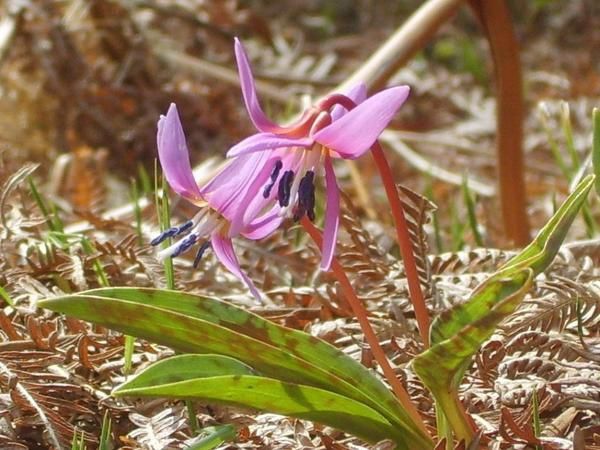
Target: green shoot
(211,437)
(6,297)
(470,204)
(78,442)
(596,147)
(101,275)
(567,128)
(193,419)
(51,218)
(105,433)
(163,212)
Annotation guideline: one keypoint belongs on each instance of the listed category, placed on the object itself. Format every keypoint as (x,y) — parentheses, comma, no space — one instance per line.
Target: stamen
(171,232)
(164,236)
(200,253)
(186,226)
(185,245)
(284,189)
(306,195)
(274,175)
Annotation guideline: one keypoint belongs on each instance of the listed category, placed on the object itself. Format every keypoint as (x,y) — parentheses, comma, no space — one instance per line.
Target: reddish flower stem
(361,315)
(406,249)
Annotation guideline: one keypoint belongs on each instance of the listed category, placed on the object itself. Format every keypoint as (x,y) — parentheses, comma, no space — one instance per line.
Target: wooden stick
(496,22)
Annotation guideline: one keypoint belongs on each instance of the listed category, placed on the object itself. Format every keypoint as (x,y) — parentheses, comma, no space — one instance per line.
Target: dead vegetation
(83,84)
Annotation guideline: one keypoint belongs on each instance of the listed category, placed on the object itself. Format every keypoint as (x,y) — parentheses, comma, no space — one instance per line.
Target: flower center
(202,226)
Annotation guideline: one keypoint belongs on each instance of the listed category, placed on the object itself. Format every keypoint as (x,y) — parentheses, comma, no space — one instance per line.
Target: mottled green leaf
(459,333)
(442,366)
(537,256)
(186,367)
(290,399)
(194,324)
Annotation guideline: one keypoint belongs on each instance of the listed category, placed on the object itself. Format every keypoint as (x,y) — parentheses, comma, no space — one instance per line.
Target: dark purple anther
(185,245)
(306,196)
(200,253)
(165,235)
(171,232)
(285,188)
(186,226)
(274,175)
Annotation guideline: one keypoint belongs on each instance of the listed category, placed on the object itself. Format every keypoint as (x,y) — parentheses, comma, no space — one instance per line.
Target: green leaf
(194,324)
(459,333)
(186,367)
(441,367)
(537,256)
(290,399)
(211,437)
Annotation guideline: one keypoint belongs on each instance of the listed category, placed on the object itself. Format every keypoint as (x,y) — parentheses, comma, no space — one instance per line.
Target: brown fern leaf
(156,432)
(479,260)
(40,398)
(554,307)
(418,211)
(556,346)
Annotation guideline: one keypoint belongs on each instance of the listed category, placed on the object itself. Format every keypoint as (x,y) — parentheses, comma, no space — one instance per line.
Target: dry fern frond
(418,210)
(556,346)
(156,432)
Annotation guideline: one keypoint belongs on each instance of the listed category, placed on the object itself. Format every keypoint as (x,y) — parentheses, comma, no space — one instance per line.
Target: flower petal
(174,155)
(223,248)
(357,94)
(353,134)
(257,116)
(332,216)
(226,191)
(251,202)
(264,225)
(266,141)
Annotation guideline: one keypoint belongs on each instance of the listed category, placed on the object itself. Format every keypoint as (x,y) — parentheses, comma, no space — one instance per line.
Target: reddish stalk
(361,315)
(496,21)
(406,249)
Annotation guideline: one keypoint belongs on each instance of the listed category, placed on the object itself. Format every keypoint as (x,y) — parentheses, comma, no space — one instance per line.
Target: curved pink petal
(355,132)
(174,156)
(357,94)
(223,248)
(332,216)
(251,202)
(266,141)
(257,116)
(226,192)
(264,225)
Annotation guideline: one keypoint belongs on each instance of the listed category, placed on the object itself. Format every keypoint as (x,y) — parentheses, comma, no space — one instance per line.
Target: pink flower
(222,200)
(333,128)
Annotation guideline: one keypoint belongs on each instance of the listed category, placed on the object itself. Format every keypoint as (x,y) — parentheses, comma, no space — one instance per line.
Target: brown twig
(410,38)
(496,22)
